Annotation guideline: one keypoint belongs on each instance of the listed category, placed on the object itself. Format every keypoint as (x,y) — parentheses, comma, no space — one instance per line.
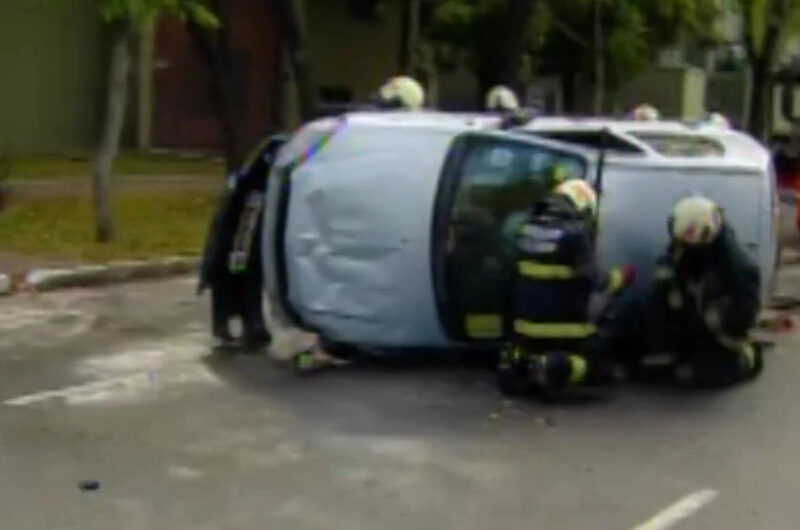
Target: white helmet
(696,220)
(501,98)
(646,112)
(580,193)
(406,91)
(718,120)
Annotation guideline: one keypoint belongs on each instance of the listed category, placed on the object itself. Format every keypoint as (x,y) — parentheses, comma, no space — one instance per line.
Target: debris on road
(314,360)
(778,322)
(89,485)
(547,421)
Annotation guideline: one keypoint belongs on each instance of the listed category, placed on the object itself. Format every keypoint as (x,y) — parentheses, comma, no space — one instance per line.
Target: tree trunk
(227,80)
(501,58)
(599,62)
(117,95)
(762,61)
(758,100)
(294,37)
(409,39)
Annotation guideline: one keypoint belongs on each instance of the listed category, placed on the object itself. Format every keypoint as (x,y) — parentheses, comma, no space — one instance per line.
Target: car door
(489,182)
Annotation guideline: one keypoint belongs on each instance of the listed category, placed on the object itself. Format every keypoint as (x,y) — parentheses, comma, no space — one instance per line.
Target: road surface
(118,386)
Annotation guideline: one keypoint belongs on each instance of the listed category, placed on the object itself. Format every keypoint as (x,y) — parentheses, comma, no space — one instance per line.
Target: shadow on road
(438,395)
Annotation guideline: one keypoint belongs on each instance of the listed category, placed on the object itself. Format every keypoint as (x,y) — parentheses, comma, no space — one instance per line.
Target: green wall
(53,56)
(52,74)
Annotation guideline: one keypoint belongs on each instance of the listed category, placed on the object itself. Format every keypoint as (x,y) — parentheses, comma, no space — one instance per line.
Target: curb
(42,280)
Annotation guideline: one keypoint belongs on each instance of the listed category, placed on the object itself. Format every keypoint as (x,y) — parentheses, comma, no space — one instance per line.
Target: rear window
(681,145)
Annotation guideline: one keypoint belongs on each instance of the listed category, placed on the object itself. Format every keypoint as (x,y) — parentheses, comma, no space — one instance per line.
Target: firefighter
(552,177)
(501,99)
(645,112)
(401,92)
(706,298)
(555,344)
(718,120)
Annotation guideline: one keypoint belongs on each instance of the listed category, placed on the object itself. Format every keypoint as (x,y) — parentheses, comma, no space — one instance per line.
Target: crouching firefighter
(555,344)
(706,298)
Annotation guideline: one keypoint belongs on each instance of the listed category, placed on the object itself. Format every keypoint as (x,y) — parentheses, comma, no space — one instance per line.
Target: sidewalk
(15,263)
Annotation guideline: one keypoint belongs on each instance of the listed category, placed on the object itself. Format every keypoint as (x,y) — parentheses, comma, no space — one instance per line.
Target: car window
(681,145)
(497,183)
(499,177)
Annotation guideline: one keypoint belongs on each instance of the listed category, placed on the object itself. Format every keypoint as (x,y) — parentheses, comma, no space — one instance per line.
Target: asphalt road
(118,386)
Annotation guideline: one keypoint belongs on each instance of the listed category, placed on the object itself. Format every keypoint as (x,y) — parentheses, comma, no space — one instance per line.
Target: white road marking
(680,510)
(80,393)
(13,318)
(131,372)
(40,327)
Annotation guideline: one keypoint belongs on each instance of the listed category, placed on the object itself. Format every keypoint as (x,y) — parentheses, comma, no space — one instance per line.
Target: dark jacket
(557,272)
(731,283)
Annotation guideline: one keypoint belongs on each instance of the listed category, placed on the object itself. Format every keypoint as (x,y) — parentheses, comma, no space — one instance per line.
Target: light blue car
(386,230)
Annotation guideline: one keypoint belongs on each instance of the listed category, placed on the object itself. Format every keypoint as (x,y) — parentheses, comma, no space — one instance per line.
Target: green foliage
(461,21)
(634,31)
(139,11)
(560,32)
(488,33)
(778,19)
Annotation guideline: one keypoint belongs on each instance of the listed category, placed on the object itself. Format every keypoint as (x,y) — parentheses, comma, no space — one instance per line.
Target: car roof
(426,119)
(738,150)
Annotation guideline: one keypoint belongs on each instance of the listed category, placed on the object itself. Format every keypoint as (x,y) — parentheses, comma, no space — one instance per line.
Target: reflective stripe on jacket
(556,275)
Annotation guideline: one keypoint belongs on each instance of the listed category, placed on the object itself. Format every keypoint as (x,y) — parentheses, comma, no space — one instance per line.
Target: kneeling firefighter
(555,344)
(706,298)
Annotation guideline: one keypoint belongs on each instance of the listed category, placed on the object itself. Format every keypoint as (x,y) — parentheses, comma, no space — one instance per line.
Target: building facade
(54,61)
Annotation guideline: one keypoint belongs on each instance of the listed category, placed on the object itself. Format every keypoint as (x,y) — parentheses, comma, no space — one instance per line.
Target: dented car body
(390,230)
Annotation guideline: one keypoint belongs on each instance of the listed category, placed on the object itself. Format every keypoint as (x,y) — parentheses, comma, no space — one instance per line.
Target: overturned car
(390,230)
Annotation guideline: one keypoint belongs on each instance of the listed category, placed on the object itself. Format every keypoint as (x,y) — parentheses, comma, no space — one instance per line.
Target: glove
(628,275)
